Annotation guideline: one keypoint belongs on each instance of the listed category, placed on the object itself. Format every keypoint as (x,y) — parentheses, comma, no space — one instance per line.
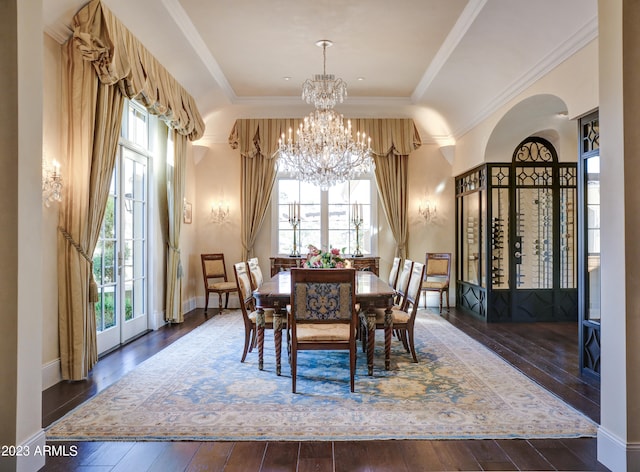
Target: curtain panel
(392,140)
(93,114)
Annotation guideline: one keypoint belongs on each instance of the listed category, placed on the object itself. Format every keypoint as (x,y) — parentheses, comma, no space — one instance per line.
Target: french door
(120,257)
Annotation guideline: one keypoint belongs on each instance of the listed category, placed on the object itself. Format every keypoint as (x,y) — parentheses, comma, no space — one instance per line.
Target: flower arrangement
(330,259)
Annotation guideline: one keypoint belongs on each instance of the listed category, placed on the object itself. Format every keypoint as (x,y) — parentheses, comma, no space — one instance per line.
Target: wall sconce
(427,210)
(51,182)
(220,214)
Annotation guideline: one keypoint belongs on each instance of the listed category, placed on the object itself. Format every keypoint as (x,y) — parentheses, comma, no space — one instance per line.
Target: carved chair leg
(206,301)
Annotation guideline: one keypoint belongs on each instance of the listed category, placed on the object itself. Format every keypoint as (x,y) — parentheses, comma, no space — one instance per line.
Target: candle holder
(357,222)
(294,221)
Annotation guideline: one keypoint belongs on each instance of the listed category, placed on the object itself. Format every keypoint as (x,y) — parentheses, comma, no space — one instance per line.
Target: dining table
(371,292)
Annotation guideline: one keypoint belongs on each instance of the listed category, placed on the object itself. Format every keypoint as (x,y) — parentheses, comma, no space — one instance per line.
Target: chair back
(438,266)
(256,273)
(245,293)
(323,296)
(415,284)
(393,273)
(403,283)
(213,267)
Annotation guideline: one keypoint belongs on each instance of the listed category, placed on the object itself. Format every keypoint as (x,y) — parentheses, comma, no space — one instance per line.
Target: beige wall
(217,176)
(575,82)
(51,150)
(430,178)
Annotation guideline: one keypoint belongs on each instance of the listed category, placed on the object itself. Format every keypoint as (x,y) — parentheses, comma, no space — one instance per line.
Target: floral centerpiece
(330,259)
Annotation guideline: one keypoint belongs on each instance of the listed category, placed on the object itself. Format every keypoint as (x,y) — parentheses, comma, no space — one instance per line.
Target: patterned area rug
(197,389)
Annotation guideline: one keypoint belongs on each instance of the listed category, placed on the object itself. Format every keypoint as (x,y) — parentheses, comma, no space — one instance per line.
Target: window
(326,217)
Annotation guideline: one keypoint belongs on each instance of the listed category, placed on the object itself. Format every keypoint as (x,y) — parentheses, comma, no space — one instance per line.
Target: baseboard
(615,454)
(189,305)
(51,374)
(35,459)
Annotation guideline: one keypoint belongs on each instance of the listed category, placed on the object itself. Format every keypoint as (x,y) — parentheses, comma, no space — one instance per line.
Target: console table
(367,263)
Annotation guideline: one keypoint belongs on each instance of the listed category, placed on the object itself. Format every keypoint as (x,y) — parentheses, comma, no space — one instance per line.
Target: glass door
(120,256)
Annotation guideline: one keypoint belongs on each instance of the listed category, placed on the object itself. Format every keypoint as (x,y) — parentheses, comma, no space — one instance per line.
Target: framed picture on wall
(187,213)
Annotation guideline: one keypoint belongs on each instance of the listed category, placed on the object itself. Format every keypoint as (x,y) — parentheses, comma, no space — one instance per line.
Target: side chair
(403,317)
(323,314)
(214,273)
(437,275)
(248,308)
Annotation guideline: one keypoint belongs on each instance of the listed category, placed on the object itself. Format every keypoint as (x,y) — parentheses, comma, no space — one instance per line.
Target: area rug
(197,389)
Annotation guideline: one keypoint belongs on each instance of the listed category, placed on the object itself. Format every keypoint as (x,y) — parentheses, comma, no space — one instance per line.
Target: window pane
(334,208)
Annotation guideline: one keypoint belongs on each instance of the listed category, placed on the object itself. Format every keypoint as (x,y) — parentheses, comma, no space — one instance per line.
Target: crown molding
(457,33)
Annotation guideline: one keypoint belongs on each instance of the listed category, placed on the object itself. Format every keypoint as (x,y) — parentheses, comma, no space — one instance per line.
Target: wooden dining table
(371,292)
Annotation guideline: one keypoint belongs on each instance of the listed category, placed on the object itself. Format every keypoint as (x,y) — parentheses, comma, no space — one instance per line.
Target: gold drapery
(258,141)
(119,58)
(103,63)
(93,114)
(392,140)
(176,178)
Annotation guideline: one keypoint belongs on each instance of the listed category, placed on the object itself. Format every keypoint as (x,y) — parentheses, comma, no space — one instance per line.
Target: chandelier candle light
(294,221)
(356,219)
(324,152)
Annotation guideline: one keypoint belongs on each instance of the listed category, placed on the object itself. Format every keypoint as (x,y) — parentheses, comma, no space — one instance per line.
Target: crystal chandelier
(324,152)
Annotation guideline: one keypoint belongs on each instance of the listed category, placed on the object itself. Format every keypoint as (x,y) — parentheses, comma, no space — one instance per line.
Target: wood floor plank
(176,456)
(246,457)
(211,457)
(488,454)
(281,456)
(107,453)
(558,454)
(141,457)
(524,455)
(315,457)
(421,455)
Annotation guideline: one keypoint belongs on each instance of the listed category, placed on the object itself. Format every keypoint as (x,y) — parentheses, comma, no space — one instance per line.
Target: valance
(119,58)
(398,136)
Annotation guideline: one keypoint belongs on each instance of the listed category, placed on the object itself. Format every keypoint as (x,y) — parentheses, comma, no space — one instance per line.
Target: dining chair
(256,273)
(437,274)
(214,273)
(248,307)
(323,314)
(403,318)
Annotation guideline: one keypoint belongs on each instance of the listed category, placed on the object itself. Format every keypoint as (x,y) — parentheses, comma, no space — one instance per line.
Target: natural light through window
(326,217)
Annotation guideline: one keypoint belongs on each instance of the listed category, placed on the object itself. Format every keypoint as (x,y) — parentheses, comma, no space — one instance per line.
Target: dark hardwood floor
(546,352)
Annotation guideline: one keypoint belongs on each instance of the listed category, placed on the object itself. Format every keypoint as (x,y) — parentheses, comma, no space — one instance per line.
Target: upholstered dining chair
(255,272)
(248,307)
(437,274)
(404,317)
(214,273)
(323,314)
